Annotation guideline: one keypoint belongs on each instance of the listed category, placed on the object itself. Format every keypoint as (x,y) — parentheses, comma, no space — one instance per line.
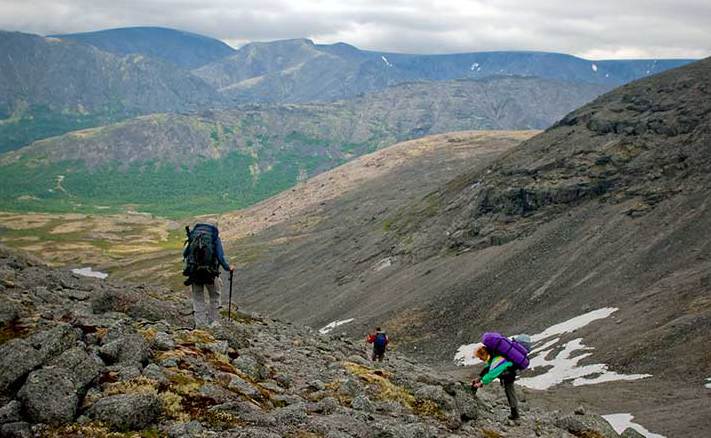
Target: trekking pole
(229,302)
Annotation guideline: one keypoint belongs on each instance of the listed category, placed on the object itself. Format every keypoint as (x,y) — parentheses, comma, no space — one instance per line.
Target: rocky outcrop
(110,372)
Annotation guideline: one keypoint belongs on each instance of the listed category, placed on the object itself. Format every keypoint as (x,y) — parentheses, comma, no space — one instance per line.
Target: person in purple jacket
(501,368)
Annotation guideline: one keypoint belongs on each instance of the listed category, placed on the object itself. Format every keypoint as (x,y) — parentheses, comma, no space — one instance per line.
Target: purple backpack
(496,343)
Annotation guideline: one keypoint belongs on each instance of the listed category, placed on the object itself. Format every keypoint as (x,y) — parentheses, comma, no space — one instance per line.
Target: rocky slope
(184,49)
(85,357)
(159,163)
(605,209)
(300,71)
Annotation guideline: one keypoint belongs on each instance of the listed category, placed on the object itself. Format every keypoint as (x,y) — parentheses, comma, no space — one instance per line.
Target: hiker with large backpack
(203,255)
(380,342)
(503,357)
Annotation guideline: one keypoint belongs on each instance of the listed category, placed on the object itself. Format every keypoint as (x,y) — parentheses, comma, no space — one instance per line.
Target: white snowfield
(332,325)
(465,355)
(88,272)
(620,422)
(708,383)
(565,364)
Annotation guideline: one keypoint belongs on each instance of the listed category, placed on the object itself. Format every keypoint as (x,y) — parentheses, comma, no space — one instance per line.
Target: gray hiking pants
(203,315)
(511,395)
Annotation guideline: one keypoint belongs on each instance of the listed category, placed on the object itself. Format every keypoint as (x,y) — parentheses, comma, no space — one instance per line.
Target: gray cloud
(592,29)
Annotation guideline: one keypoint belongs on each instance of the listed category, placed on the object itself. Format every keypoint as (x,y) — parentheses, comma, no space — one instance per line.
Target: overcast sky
(591,29)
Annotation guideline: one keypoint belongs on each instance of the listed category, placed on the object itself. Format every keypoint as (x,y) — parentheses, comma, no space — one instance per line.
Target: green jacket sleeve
(497,366)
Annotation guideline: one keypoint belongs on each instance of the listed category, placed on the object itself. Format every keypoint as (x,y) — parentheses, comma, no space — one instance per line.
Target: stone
(121,373)
(189,429)
(163,341)
(580,425)
(240,385)
(467,404)
(580,410)
(250,366)
(293,414)
(362,403)
(53,342)
(49,395)
(132,349)
(154,372)
(631,433)
(219,347)
(247,412)
(18,429)
(436,394)
(10,413)
(82,367)
(17,359)
(126,411)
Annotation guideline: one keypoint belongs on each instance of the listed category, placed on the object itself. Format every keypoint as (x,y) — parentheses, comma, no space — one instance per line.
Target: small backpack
(200,255)
(380,340)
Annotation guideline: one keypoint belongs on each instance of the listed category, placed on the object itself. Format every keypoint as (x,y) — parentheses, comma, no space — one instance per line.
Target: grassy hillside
(177,165)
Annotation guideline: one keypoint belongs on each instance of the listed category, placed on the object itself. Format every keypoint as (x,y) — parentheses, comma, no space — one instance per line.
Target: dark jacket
(219,252)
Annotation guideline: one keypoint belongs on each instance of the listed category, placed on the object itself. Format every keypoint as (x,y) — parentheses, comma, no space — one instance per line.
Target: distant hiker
(497,366)
(380,341)
(203,255)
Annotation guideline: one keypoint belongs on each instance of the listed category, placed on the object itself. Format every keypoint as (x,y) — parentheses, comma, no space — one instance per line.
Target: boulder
(246,412)
(10,413)
(18,429)
(362,403)
(126,411)
(53,342)
(130,349)
(292,414)
(163,341)
(49,396)
(189,429)
(631,433)
(82,367)
(17,359)
(586,425)
(437,395)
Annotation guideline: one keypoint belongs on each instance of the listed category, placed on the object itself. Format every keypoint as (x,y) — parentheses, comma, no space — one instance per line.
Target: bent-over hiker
(498,366)
(203,256)
(380,341)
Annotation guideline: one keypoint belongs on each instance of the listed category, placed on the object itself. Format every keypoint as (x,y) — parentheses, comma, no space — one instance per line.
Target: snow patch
(332,325)
(620,422)
(708,383)
(465,355)
(385,60)
(382,264)
(475,67)
(564,366)
(565,363)
(594,67)
(88,272)
(574,324)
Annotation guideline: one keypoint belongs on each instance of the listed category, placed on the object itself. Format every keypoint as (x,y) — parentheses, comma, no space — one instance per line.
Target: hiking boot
(514,415)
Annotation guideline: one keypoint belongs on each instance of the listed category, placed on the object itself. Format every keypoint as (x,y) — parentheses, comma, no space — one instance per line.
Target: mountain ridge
(184,49)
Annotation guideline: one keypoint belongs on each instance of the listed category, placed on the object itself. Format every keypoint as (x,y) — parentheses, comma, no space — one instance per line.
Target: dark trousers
(511,396)
(378,354)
